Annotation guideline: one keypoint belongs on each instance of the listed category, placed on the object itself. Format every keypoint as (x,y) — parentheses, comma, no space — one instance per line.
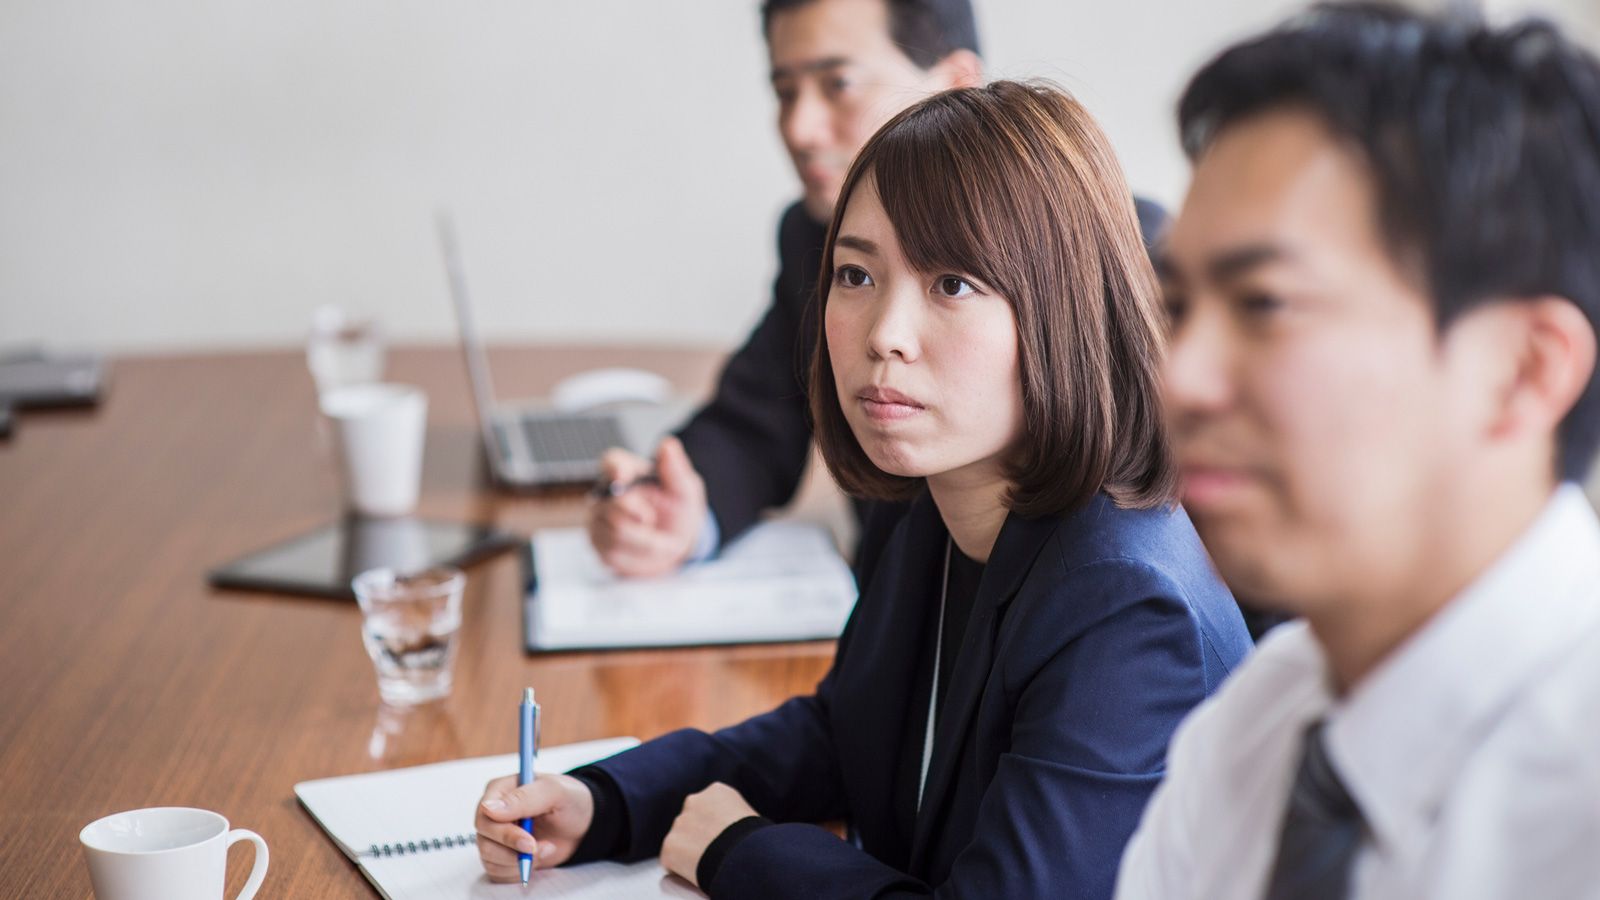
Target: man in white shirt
(1385,284)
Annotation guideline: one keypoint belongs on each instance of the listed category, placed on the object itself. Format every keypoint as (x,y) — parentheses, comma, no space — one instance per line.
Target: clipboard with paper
(780,581)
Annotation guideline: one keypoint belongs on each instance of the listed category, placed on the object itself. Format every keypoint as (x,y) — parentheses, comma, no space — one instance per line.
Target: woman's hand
(705,815)
(561,807)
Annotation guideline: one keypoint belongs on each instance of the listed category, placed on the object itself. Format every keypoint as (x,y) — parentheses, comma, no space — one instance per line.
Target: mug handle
(258,872)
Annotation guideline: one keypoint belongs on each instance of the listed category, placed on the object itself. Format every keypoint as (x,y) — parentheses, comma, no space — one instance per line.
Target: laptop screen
(471,345)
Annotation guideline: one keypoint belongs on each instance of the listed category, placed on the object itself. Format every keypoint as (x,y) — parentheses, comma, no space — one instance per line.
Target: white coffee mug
(166,853)
(380,430)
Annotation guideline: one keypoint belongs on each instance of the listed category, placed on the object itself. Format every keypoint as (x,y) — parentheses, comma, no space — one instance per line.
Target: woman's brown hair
(1015,185)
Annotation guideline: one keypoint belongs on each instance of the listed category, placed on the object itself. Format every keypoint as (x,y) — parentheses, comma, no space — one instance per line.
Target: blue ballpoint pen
(528,751)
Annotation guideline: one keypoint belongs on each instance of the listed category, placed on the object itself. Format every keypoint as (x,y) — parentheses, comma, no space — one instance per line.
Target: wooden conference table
(126,682)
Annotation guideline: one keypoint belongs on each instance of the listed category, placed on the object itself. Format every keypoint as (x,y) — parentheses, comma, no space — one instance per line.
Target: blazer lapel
(1015,549)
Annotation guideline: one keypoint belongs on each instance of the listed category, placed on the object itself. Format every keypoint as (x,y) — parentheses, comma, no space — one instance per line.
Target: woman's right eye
(851,276)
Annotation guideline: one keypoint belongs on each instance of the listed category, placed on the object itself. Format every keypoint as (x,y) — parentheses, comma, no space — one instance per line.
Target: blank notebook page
(458,875)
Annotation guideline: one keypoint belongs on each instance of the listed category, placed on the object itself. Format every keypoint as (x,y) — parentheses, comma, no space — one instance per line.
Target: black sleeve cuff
(722,845)
(608,830)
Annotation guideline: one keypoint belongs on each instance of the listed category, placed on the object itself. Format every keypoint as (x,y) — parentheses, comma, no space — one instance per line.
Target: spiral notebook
(410,831)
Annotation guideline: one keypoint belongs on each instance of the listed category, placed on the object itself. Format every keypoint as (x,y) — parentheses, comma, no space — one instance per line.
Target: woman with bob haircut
(1043,616)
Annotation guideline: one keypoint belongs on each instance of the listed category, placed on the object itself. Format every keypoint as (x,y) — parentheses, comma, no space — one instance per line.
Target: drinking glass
(409,624)
(342,349)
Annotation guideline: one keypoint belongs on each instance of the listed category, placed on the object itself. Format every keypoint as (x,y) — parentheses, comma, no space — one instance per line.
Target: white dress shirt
(1473,750)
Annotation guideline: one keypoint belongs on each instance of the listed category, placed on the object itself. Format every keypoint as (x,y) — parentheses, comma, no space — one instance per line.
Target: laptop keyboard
(557,438)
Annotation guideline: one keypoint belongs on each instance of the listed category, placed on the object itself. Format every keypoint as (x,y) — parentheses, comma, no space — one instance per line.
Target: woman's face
(925,363)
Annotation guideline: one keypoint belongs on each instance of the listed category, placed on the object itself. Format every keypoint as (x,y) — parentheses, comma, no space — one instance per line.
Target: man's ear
(959,69)
(1555,352)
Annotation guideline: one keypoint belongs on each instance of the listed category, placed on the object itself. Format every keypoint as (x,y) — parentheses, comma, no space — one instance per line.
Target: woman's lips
(888,405)
(889,412)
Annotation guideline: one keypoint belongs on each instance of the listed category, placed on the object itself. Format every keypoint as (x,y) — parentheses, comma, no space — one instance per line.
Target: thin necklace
(933,691)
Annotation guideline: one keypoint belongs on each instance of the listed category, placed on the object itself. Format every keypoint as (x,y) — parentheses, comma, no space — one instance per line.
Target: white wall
(1581,17)
(190,173)
(182,173)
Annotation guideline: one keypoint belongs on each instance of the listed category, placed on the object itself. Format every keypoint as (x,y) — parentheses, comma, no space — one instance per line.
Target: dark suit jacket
(751,442)
(1092,635)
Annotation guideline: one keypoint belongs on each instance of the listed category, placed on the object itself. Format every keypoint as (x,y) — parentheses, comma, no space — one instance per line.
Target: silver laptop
(532,445)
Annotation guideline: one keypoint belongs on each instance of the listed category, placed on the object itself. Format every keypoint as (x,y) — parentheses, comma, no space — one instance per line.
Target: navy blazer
(1092,635)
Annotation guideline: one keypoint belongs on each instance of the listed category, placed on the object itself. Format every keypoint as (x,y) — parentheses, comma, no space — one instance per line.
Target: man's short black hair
(1483,144)
(925,30)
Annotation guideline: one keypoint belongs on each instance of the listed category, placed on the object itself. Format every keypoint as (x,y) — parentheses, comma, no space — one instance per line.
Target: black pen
(606,489)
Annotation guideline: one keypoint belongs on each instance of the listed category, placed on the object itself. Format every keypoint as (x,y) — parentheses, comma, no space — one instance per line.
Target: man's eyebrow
(859,244)
(1233,263)
(810,65)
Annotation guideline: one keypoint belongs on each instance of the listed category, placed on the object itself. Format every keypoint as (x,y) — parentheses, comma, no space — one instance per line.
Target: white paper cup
(166,853)
(379,430)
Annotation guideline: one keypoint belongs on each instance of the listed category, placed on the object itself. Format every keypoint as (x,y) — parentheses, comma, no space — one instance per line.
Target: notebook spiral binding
(402,848)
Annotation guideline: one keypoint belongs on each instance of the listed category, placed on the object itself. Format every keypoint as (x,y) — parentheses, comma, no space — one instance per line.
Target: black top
(965,573)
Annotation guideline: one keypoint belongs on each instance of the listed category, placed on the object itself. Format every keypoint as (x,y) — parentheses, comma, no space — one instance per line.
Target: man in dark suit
(840,69)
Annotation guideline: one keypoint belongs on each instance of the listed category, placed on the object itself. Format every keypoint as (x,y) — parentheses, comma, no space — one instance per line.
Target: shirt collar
(1399,739)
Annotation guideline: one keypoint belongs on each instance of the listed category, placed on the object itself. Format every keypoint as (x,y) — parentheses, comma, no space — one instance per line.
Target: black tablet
(322,562)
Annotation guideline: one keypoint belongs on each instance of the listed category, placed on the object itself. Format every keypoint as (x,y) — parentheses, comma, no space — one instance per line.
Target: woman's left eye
(953,286)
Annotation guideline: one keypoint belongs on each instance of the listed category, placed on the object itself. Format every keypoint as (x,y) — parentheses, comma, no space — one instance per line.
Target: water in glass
(410,623)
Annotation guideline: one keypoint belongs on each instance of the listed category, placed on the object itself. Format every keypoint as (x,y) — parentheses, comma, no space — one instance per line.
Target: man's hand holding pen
(647,518)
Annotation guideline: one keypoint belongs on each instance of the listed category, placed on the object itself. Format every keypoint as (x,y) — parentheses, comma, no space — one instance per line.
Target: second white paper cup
(379,429)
